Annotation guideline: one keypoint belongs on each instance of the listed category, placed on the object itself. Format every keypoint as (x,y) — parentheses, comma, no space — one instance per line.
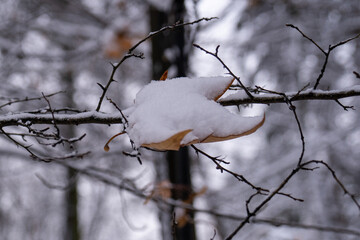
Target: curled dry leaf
(106,147)
(164,76)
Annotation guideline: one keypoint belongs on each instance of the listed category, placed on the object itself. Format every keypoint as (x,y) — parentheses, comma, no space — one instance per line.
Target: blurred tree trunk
(71,226)
(178,162)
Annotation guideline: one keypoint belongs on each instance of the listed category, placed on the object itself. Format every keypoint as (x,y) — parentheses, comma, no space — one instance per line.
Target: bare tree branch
(215,54)
(326,53)
(305,36)
(302,166)
(128,185)
(27,99)
(293,109)
(131,54)
(64,119)
(239,177)
(116,180)
(293,96)
(92,117)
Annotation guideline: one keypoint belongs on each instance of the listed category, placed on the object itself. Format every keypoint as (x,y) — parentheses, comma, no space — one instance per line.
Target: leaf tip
(106,148)
(164,76)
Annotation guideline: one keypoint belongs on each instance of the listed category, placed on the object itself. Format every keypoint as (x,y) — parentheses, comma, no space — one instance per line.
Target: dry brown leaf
(106,147)
(213,138)
(118,45)
(164,76)
(161,189)
(172,143)
(182,220)
(226,88)
(184,217)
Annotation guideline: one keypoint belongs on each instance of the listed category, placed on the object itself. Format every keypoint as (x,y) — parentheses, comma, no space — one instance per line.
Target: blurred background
(62,45)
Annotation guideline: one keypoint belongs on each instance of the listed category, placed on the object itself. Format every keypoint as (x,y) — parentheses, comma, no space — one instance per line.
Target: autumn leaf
(162,190)
(106,147)
(164,76)
(172,143)
(118,45)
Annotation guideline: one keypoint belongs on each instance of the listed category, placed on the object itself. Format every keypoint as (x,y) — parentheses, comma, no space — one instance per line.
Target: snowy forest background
(55,59)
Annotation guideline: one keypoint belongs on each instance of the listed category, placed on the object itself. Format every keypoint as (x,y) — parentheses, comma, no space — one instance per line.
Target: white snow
(165,108)
(240,94)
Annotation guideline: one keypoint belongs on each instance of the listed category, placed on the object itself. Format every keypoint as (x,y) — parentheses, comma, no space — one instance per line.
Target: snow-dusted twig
(305,95)
(131,54)
(92,117)
(61,119)
(56,110)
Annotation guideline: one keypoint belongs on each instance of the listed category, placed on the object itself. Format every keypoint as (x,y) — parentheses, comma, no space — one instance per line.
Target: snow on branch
(240,98)
(60,118)
(93,117)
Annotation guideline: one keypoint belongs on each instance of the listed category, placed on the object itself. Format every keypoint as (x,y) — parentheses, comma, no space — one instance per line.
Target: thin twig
(131,54)
(223,169)
(323,68)
(288,101)
(343,106)
(216,55)
(38,157)
(344,42)
(121,112)
(113,180)
(27,99)
(332,171)
(52,114)
(294,96)
(91,117)
(302,166)
(326,53)
(305,36)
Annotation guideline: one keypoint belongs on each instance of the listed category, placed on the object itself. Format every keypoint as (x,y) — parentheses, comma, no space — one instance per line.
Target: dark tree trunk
(178,162)
(71,226)
(71,231)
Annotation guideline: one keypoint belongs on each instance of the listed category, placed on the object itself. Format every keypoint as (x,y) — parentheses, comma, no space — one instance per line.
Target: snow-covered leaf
(182,111)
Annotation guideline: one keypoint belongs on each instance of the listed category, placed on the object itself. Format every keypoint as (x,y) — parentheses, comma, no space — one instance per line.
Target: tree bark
(178,162)
(71,226)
